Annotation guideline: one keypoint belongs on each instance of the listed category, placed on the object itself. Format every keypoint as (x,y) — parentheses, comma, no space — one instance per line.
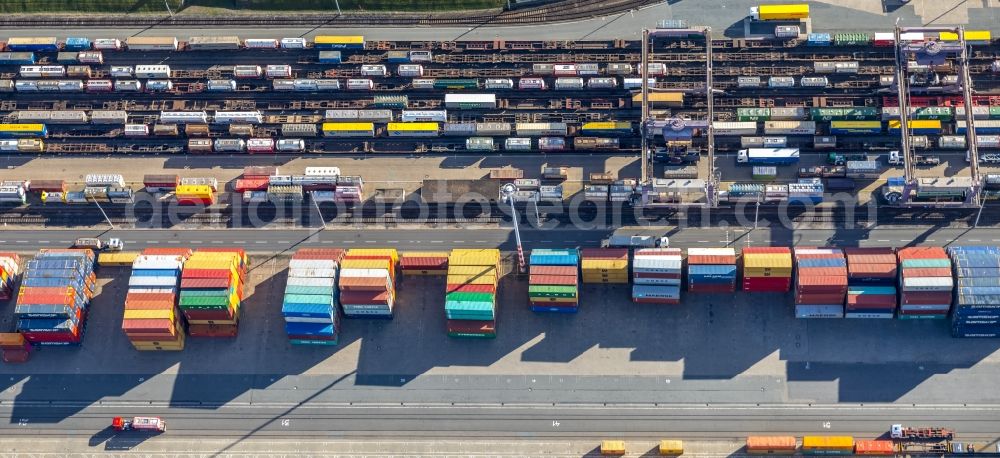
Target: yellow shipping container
(160,346)
(120,259)
(472,270)
(339,40)
(474,257)
(970,35)
(413,126)
(612,448)
(193,190)
(366,264)
(348,126)
(165,314)
(193,263)
(671,447)
(391,252)
(604,264)
(916,124)
(827,443)
(767,260)
(470,280)
(672,99)
(782,12)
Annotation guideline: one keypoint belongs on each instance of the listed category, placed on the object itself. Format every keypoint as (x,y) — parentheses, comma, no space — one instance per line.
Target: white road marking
(372,241)
(436,241)
(546,241)
(173,241)
(971,240)
(284,241)
(483,241)
(44,242)
(397,241)
(196,242)
(261,242)
(240,242)
(154,242)
(882,241)
(703,241)
(348,241)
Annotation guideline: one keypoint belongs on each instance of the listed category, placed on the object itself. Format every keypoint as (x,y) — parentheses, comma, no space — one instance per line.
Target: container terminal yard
(211,237)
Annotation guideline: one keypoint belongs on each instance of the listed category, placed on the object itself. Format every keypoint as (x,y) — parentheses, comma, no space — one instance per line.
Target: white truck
(639,237)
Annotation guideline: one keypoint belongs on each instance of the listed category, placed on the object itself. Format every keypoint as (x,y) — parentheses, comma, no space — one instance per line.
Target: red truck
(153,424)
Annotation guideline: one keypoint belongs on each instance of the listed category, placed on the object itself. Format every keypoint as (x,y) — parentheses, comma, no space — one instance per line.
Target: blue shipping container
(818,39)
(17,58)
(77,44)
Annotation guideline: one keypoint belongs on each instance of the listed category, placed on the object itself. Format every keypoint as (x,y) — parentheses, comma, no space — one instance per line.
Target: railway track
(563,11)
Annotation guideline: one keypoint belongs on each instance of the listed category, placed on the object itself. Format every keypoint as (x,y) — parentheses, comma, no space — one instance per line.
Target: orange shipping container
(874,447)
(771,444)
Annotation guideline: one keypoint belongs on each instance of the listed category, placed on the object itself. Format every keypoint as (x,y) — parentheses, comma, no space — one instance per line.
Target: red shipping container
(604,253)
(317,256)
(925,298)
(708,288)
(766,250)
(206,273)
(365,297)
(874,447)
(205,283)
(553,270)
(184,252)
(871,301)
(767,284)
(16,356)
(195,201)
(465,288)
(472,326)
(871,270)
(250,184)
(48,186)
(819,299)
(563,280)
(922,252)
(927,272)
(213,330)
(47,299)
(158,325)
(333,253)
(658,252)
(941,311)
(423,263)
(226,314)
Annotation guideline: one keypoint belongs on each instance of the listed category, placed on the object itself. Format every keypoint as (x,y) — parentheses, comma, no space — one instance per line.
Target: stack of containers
(711,270)
(9,271)
(151,321)
(424,263)
(311,297)
(925,283)
(15,347)
(871,283)
(977,298)
(767,269)
(212,291)
(820,282)
(194,195)
(604,265)
(471,292)
(368,282)
(553,282)
(51,306)
(656,276)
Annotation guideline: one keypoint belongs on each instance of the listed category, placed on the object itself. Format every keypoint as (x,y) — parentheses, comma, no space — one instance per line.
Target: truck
(903,433)
(768,156)
(841,159)
(555,172)
(96,244)
(151,424)
(637,237)
(895,158)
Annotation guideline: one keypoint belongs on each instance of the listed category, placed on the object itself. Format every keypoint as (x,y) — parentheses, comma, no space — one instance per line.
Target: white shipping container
(656,281)
(360,84)
(294,279)
(260,43)
(312,264)
(312,273)
(410,70)
(278,71)
(323,171)
(293,43)
(927,283)
(152,71)
(111,44)
(136,130)
(374,70)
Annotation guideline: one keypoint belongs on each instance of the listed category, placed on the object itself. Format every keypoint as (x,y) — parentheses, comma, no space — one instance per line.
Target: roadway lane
(716,422)
(271,241)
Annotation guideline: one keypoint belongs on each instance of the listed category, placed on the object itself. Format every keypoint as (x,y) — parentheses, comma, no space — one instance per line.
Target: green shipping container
(484,316)
(321,290)
(466,335)
(994,112)
(925,263)
(458,83)
(391,101)
(203,302)
(313,342)
(206,293)
(469,306)
(322,299)
(933,113)
(844,114)
(470,297)
(852,39)
(552,291)
(753,114)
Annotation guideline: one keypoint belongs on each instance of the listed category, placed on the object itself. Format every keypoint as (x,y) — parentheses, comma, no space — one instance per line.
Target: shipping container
(137,43)
(338,42)
(213,43)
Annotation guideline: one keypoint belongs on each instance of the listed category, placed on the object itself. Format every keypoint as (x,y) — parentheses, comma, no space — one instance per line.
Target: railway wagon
(779,12)
(424,116)
(348,129)
(844,114)
(260,43)
(470,101)
(541,129)
(214,43)
(339,42)
(790,128)
(607,128)
(734,129)
(855,127)
(183,117)
(456,83)
(291,145)
(972,37)
(659,99)
(33,44)
(229,145)
(108,44)
(151,43)
(499,83)
(517,144)
(828,445)
(984,127)
(17,58)
(480,144)
(531,83)
(595,143)
(918,127)
(413,129)
(978,112)
(23,130)
(229,117)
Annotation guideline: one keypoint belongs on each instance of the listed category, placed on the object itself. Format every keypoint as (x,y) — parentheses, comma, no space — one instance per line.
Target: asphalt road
(271,241)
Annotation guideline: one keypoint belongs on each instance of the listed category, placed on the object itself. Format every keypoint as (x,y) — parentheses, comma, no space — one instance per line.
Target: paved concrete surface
(724,16)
